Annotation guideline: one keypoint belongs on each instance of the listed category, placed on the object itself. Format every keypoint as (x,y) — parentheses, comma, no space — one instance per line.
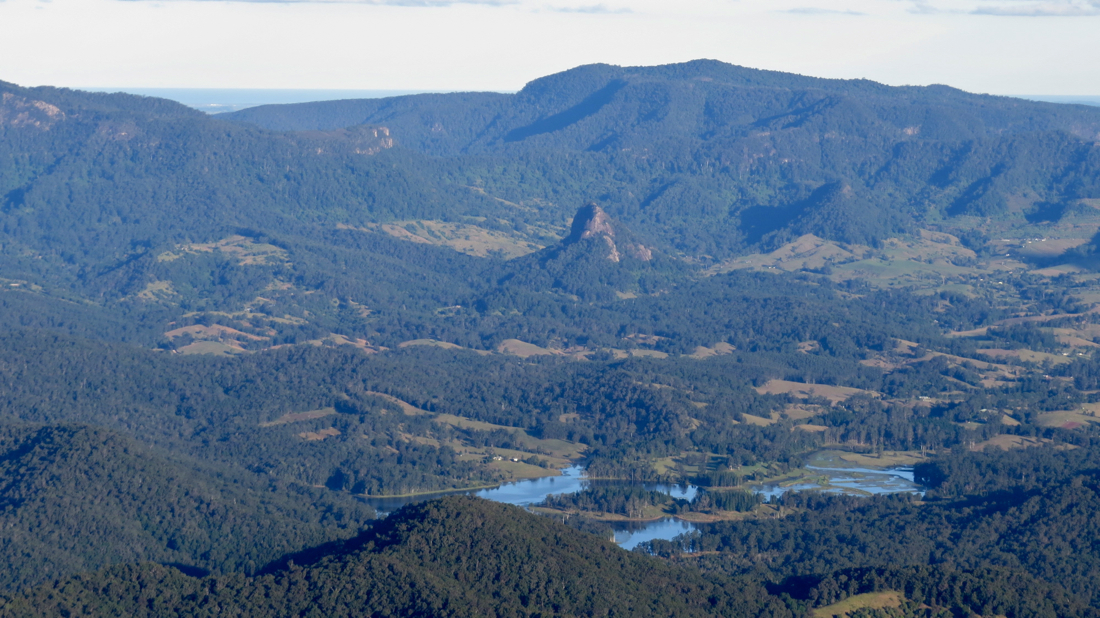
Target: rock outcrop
(17,111)
(592,222)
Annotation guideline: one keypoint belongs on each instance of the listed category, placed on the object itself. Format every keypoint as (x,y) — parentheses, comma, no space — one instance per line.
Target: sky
(1020,47)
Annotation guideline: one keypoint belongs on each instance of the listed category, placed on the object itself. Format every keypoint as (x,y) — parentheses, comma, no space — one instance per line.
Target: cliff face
(592,222)
(17,111)
(361,140)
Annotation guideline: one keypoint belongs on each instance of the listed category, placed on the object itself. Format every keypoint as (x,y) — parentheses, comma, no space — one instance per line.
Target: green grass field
(871,600)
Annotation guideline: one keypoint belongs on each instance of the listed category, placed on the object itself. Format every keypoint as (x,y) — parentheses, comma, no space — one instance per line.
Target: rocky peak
(591,222)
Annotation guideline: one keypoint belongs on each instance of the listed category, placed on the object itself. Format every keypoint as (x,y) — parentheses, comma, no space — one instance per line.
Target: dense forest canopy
(713,157)
(468,557)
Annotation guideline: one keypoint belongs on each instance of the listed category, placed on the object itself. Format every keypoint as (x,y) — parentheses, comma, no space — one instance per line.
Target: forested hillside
(453,557)
(1031,511)
(466,557)
(75,498)
(715,158)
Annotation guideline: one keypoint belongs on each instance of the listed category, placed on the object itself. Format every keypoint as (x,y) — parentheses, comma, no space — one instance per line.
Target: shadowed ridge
(76,498)
(456,556)
(422,530)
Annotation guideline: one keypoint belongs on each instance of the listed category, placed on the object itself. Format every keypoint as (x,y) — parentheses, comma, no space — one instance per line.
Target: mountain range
(160,212)
(714,158)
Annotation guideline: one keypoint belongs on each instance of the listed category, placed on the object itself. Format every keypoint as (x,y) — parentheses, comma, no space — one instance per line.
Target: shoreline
(439,492)
(445,492)
(689,518)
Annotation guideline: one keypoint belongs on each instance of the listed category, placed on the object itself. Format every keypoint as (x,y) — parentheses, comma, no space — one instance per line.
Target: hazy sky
(996,46)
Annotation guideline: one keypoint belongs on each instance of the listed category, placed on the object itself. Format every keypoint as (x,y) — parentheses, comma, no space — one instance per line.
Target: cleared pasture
(407,408)
(834,394)
(296,417)
(522,349)
(462,237)
(215,348)
(1066,419)
(870,600)
(1007,443)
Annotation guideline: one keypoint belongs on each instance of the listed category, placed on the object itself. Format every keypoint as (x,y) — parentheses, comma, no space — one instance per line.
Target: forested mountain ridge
(452,557)
(700,85)
(469,557)
(155,219)
(705,157)
(716,158)
(76,498)
(92,181)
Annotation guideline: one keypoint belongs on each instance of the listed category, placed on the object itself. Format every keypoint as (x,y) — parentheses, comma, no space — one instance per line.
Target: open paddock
(834,394)
(407,408)
(1007,443)
(870,600)
(296,417)
(1066,419)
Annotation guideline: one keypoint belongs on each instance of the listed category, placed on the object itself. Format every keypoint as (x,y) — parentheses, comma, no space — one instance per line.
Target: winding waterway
(850,480)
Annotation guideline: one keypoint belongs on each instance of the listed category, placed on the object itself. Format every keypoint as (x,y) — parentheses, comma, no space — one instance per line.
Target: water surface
(629,534)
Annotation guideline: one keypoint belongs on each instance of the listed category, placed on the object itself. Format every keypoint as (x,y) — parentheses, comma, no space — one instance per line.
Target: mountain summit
(717,160)
(600,260)
(591,221)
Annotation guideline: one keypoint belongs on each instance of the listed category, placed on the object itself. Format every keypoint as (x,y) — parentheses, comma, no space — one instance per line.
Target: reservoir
(848,480)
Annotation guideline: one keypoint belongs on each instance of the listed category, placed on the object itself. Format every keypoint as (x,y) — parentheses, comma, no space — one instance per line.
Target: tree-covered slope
(75,498)
(153,217)
(469,557)
(708,158)
(690,99)
(90,181)
(715,157)
(451,557)
(1033,511)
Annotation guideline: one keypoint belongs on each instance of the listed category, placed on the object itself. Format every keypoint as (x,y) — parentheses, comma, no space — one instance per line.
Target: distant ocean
(221,100)
(1061,99)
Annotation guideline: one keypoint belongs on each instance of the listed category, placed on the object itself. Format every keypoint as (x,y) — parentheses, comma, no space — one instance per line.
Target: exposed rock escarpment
(17,111)
(592,222)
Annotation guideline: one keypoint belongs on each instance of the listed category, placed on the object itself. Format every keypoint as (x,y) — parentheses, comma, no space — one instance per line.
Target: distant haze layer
(220,100)
(1051,98)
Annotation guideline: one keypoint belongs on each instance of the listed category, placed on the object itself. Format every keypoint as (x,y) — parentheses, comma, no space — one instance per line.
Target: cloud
(812,10)
(1010,8)
(923,6)
(411,3)
(591,9)
(1047,8)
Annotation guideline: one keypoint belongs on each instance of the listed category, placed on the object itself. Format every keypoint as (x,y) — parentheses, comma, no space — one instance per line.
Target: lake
(851,480)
